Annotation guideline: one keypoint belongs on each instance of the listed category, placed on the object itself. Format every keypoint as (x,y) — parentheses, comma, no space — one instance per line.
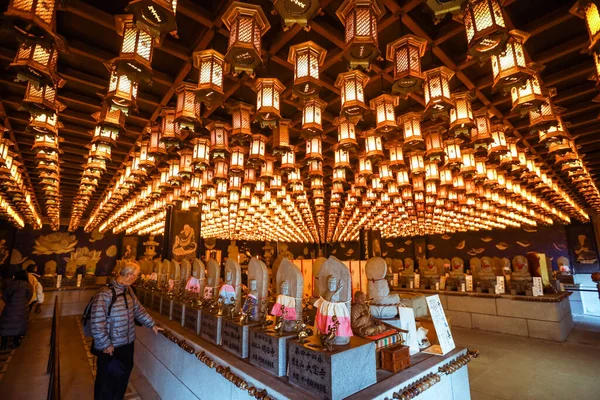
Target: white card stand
(442,328)
(407,322)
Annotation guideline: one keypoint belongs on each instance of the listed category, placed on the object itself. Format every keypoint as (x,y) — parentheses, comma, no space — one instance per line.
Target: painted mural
(185,230)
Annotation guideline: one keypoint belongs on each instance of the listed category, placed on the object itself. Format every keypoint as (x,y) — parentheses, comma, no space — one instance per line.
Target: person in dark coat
(14,318)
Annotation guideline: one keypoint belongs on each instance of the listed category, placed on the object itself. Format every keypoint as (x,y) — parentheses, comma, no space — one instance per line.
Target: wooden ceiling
(557,41)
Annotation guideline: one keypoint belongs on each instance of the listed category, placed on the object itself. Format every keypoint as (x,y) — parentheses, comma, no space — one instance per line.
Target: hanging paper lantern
(405,53)
(312,110)
(385,173)
(453,154)
(437,91)
(137,46)
(544,117)
(288,160)
(396,155)
(296,12)
(592,21)
(461,115)
(468,167)
(105,134)
(434,145)
(170,135)
(486,31)
(431,171)
(554,133)
(156,146)
(351,85)
(385,114)
(211,67)
(100,150)
(527,97)
(416,163)
(219,139)
(158,16)
(187,110)
(35,18)
(509,66)
(339,176)
(44,122)
(268,168)
(441,8)
(313,148)
(36,63)
(247,23)
(41,99)
(346,133)
(185,163)
(111,115)
(268,91)
(481,135)
(281,136)
(306,58)
(201,154)
(498,145)
(241,120)
(236,161)
(413,138)
(359,18)
(342,158)
(315,168)
(257,150)
(40,141)
(122,91)
(373,145)
(365,167)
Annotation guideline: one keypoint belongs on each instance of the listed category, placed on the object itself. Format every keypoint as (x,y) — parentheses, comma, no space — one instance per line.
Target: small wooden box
(395,358)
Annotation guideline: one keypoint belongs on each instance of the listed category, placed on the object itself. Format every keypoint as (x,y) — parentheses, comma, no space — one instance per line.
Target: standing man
(114,312)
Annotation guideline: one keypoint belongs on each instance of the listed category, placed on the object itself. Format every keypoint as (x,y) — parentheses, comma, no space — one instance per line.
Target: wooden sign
(538,287)
(442,328)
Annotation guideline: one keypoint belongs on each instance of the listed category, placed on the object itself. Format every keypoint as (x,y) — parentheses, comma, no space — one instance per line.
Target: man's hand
(109,350)
(157,329)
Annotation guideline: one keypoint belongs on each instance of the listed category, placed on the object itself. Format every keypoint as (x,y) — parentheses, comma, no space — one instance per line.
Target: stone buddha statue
(486,271)
(258,272)
(213,280)
(251,305)
(334,300)
(290,287)
(431,269)
(409,268)
(363,324)
(520,268)
(227,290)
(384,304)
(233,251)
(458,267)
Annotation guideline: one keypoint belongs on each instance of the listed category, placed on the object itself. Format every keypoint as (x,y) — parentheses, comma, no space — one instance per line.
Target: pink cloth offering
(171,284)
(289,304)
(208,292)
(193,285)
(227,292)
(326,310)
(153,276)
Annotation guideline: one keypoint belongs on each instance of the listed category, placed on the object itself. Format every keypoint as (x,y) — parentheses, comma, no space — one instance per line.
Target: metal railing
(53,368)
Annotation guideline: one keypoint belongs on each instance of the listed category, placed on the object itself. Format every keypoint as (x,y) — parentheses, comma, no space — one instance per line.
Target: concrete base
(234,337)
(211,328)
(269,351)
(177,311)
(332,375)
(156,301)
(192,319)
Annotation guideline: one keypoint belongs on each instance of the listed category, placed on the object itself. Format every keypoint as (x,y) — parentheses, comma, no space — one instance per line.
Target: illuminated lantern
(560,147)
(509,66)
(306,58)
(492,176)
(481,169)
(405,53)
(111,115)
(339,175)
(219,139)
(373,145)
(312,110)
(486,30)
(554,133)
(342,158)
(257,149)
(528,96)
(458,183)
(431,171)
(365,168)
(413,138)
(453,155)
(40,141)
(36,63)
(247,23)
(236,162)
(185,163)
(437,90)
(281,136)
(44,122)
(267,100)
(481,135)
(250,176)
(105,134)
(241,120)
(187,110)
(416,163)
(468,167)
(385,114)
(41,99)
(359,18)
(346,133)
(122,91)
(267,169)
(201,154)
(296,12)
(592,20)
(155,145)
(396,155)
(544,117)
(313,148)
(100,150)
(135,58)
(434,143)
(170,135)
(158,16)
(498,145)
(288,160)
(220,171)
(351,85)
(461,115)
(315,168)
(211,67)
(34,17)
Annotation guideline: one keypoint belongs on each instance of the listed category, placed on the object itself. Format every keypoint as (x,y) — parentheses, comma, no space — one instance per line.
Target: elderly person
(13,320)
(114,312)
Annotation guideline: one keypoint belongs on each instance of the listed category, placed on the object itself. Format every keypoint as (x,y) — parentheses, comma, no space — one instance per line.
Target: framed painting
(185,234)
(129,247)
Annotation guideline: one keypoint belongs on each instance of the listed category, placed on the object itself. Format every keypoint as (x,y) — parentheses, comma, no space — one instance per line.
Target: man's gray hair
(129,268)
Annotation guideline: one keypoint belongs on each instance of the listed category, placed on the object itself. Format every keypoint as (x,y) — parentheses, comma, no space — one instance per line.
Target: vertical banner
(369,243)
(307,275)
(185,234)
(355,274)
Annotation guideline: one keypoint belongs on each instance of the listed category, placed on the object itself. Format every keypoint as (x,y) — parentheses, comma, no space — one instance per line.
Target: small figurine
(219,305)
(243,318)
(279,322)
(328,339)
(232,308)
(264,322)
(303,331)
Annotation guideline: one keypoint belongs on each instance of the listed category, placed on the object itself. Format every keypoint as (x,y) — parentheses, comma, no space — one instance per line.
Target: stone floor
(509,367)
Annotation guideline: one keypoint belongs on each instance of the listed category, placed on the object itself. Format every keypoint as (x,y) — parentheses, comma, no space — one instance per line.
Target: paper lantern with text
(385,114)
(211,67)
(405,53)
(268,91)
(312,110)
(185,163)
(346,133)
(36,63)
(219,139)
(359,18)
(339,176)
(365,167)
(247,23)
(416,163)
(296,12)
(437,91)
(236,161)
(351,85)
(122,91)
(158,16)
(486,31)
(468,167)
(288,159)
(315,168)
(413,138)
(528,96)
(306,58)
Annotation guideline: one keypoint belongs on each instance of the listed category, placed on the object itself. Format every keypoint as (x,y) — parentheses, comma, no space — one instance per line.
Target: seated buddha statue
(363,324)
